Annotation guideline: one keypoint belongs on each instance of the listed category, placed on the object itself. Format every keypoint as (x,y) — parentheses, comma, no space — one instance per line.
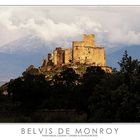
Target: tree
(128,65)
(129,68)
(93,76)
(67,77)
(30,92)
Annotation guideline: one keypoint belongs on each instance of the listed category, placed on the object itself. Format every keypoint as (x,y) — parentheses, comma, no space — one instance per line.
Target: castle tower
(58,56)
(89,40)
(86,52)
(67,56)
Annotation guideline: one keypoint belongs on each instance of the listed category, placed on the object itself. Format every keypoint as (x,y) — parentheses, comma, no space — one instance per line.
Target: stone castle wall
(58,56)
(89,40)
(82,52)
(67,56)
(86,52)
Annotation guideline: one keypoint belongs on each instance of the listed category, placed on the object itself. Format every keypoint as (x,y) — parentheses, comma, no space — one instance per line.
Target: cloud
(132,37)
(112,25)
(38,24)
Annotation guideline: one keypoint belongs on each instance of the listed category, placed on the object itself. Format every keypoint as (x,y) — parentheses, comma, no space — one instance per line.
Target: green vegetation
(68,97)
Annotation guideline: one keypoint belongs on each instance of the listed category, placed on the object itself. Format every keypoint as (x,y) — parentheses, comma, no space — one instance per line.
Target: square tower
(86,51)
(89,40)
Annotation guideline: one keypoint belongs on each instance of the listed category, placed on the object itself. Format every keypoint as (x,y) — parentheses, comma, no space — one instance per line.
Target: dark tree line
(104,97)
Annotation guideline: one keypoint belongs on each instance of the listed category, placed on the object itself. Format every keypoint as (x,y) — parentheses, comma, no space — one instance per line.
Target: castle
(84,52)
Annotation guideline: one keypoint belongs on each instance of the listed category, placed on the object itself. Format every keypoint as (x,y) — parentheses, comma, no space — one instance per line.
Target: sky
(111,25)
